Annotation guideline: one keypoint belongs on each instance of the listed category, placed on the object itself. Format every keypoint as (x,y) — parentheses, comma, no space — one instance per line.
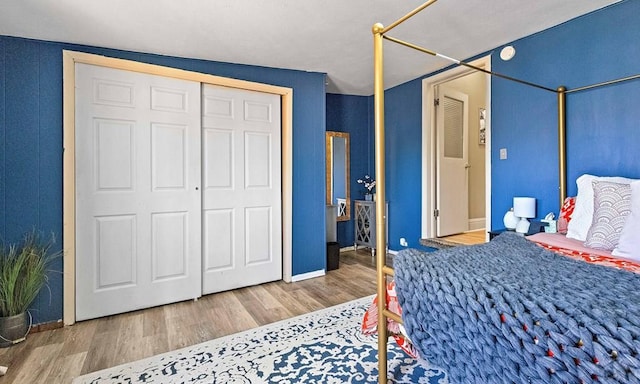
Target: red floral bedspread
(574,249)
(370,321)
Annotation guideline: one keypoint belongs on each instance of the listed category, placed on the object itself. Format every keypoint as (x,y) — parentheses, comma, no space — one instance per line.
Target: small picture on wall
(482,138)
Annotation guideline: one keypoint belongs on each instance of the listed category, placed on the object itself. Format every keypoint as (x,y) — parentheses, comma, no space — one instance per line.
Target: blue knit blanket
(509,311)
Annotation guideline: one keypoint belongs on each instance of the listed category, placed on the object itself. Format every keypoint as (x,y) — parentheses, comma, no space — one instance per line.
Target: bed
(487,319)
(575,249)
(480,313)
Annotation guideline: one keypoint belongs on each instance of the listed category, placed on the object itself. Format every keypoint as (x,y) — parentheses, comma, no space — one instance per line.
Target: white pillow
(583,213)
(629,243)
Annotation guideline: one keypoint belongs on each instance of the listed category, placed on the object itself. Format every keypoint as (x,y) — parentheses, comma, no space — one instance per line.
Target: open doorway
(468,133)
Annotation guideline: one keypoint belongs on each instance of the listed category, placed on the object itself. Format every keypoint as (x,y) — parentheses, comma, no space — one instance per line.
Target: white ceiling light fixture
(507,53)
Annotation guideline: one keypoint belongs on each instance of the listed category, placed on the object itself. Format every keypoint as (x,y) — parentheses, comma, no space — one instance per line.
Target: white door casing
(70,59)
(452,114)
(137,190)
(429,85)
(242,194)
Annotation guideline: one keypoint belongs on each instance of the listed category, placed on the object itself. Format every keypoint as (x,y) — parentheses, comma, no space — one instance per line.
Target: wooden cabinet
(365,224)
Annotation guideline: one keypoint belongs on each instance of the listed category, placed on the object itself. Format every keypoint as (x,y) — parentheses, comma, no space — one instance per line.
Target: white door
(452,200)
(138,234)
(242,193)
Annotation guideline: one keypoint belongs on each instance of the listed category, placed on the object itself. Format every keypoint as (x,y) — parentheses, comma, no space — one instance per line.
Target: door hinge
(436,102)
(436,213)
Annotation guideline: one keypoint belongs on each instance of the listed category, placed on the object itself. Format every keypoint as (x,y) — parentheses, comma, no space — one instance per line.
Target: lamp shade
(524,207)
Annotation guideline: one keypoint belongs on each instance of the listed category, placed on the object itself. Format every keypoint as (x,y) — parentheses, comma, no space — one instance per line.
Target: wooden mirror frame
(330,135)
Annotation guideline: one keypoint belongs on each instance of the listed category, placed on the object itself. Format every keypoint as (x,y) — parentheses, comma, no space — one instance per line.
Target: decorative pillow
(583,213)
(565,214)
(611,206)
(629,244)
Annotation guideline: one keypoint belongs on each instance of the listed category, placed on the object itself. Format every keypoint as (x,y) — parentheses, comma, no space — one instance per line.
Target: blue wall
(354,115)
(403,141)
(31,147)
(603,134)
(603,125)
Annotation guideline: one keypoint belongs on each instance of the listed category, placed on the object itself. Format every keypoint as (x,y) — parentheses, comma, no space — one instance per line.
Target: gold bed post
(562,145)
(381,241)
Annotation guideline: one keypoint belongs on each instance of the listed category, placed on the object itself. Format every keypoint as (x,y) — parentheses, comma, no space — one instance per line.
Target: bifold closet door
(138,197)
(242,192)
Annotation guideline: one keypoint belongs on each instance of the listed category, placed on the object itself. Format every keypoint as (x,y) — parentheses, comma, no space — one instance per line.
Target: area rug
(325,346)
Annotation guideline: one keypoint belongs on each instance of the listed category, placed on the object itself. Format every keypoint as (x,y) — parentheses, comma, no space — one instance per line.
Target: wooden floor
(469,238)
(57,356)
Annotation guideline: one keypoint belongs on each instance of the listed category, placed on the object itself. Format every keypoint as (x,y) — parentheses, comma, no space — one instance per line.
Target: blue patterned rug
(321,347)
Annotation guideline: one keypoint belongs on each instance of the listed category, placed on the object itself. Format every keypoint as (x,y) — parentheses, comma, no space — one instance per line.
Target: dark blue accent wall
(403,111)
(403,128)
(353,115)
(603,130)
(603,125)
(31,147)
(403,140)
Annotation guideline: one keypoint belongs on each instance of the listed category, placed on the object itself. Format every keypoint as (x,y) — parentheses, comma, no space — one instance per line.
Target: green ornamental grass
(23,272)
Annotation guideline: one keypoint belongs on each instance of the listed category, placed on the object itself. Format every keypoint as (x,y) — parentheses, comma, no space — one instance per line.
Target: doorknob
(467,166)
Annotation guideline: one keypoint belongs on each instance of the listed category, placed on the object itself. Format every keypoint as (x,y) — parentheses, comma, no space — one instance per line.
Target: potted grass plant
(23,273)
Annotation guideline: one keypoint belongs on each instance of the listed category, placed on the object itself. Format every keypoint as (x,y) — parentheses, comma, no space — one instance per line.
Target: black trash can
(333,255)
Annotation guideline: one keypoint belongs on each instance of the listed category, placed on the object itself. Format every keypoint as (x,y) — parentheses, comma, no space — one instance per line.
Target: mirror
(337,174)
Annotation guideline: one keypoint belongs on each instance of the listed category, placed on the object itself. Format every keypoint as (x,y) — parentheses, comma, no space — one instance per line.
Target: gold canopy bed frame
(383,270)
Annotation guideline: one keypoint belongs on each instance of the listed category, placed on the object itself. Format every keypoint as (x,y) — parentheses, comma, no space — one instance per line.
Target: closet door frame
(70,58)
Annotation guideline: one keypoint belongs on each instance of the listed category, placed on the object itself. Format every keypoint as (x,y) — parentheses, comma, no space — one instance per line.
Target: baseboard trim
(476,224)
(346,249)
(46,326)
(308,275)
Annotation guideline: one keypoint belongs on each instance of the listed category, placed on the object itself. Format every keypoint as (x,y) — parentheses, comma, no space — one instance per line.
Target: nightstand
(365,224)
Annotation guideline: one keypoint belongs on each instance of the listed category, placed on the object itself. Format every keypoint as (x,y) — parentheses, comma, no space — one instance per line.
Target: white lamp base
(523,225)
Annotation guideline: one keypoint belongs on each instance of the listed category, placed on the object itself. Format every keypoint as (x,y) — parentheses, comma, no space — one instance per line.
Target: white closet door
(453,162)
(242,197)
(138,203)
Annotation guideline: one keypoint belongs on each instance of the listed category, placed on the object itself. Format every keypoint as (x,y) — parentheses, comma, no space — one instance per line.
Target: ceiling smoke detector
(507,53)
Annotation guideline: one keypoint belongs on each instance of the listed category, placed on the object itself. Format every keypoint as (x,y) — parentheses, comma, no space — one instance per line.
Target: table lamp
(524,208)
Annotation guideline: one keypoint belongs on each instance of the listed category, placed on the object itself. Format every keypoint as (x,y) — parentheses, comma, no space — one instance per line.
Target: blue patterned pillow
(611,207)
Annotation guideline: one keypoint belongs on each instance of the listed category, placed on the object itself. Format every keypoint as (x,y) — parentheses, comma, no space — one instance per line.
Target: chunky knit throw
(509,311)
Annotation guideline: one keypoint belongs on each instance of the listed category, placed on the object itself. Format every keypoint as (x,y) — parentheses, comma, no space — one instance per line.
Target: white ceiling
(329,36)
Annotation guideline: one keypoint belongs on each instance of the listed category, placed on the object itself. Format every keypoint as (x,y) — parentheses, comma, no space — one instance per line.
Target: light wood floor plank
(469,238)
(154,322)
(56,356)
(39,363)
(66,368)
(131,329)
(77,339)
(101,353)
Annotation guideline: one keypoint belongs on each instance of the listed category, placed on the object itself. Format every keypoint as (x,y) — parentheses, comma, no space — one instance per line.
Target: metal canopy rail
(382,269)
(465,64)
